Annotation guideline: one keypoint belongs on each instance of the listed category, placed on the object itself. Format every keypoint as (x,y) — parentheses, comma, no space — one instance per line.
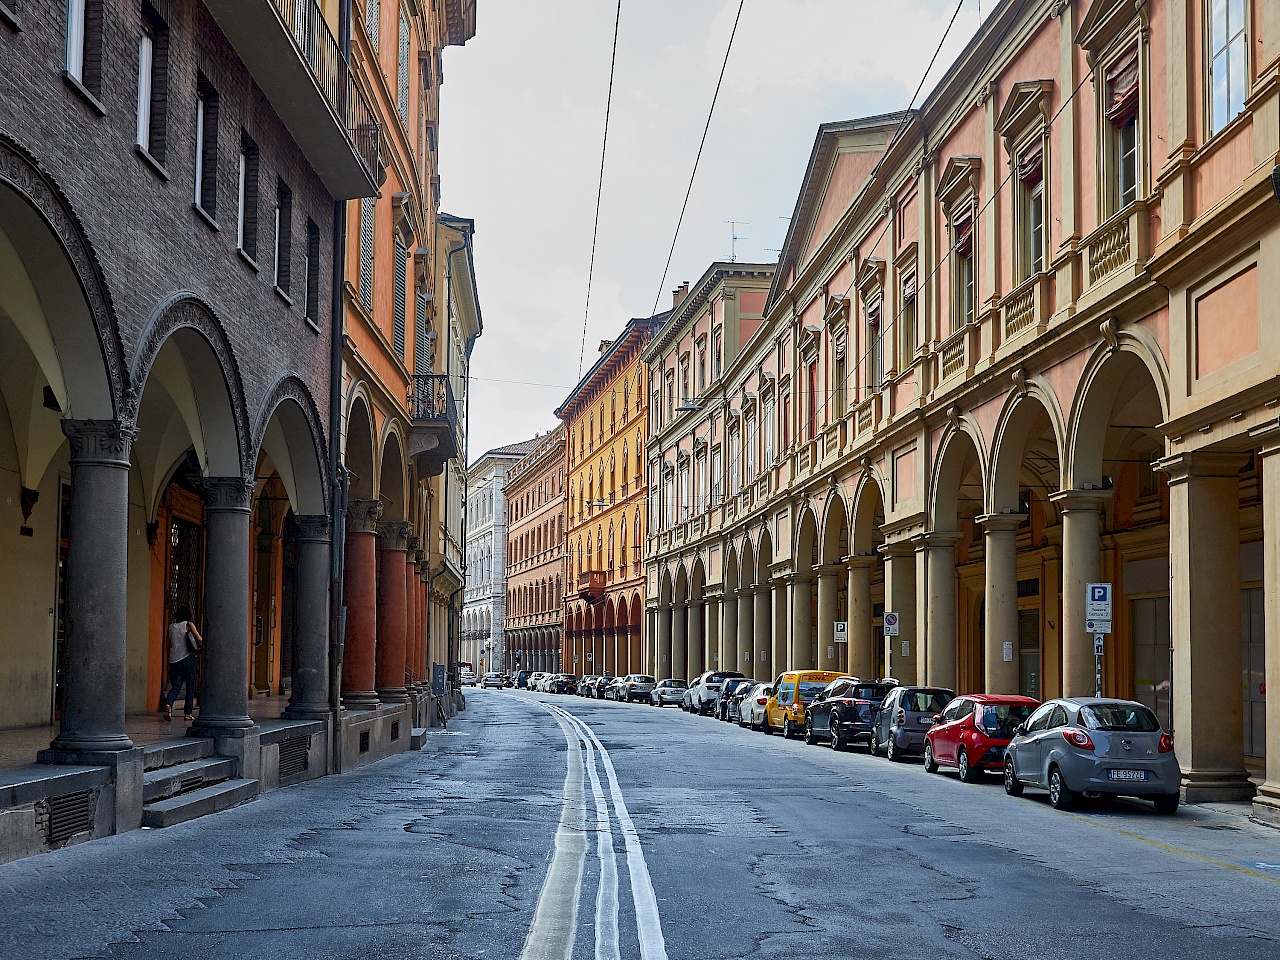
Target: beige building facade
(1017,344)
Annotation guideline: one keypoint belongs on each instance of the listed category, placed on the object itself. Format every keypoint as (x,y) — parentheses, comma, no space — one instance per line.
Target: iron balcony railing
(431,399)
(321,51)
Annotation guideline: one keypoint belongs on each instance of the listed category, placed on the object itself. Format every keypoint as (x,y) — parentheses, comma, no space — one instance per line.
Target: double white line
(551,936)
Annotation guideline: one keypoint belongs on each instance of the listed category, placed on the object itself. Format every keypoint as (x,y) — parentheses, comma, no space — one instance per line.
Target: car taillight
(902,715)
(762,700)
(631,686)
(1077,738)
(847,703)
(1166,742)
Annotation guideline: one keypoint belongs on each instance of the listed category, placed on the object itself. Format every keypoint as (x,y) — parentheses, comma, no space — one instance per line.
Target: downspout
(337,473)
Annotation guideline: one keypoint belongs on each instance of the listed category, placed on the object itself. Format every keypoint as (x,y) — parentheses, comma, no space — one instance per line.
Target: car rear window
(1119,716)
(677,683)
(1000,719)
(925,701)
(875,693)
(718,677)
(811,688)
(644,679)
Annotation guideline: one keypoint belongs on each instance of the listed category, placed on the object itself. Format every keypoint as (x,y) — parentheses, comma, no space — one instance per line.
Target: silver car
(635,686)
(904,716)
(667,691)
(1093,747)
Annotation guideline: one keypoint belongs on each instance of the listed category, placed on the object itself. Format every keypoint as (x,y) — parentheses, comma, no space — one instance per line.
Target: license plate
(926,722)
(1127,774)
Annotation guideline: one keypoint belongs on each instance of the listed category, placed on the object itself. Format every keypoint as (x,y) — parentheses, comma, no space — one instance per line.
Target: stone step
(198,803)
(417,737)
(170,753)
(185,777)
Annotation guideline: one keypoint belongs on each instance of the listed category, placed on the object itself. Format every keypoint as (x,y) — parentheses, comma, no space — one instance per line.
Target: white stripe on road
(648,923)
(607,892)
(556,918)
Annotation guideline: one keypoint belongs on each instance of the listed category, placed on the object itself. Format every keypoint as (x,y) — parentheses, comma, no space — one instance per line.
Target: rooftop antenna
(734,238)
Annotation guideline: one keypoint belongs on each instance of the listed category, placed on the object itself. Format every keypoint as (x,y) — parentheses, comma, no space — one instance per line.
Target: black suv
(845,712)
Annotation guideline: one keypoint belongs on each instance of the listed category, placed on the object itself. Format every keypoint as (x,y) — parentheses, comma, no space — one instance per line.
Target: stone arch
(393,481)
(959,455)
(746,563)
(1030,427)
(730,568)
(834,544)
(868,513)
(288,430)
(681,583)
(804,555)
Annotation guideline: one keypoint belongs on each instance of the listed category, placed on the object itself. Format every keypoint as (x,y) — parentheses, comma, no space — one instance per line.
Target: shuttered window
(372,18)
(421,355)
(402,69)
(367,208)
(401,295)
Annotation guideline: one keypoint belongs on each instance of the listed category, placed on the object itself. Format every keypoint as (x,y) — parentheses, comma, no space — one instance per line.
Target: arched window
(600,546)
(637,527)
(622,561)
(611,546)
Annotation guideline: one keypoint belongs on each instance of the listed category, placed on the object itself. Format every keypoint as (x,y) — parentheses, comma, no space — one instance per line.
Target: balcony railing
(431,398)
(433,436)
(321,51)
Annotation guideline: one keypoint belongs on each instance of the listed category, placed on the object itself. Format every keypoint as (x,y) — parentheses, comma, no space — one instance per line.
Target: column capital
(313,527)
(805,577)
(420,557)
(412,544)
(363,516)
(1002,522)
(830,569)
(1205,464)
(394,535)
(897,548)
(859,561)
(1080,500)
(938,540)
(231,494)
(100,441)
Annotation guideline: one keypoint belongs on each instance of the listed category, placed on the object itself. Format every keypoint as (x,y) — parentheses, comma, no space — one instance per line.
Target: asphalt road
(552,827)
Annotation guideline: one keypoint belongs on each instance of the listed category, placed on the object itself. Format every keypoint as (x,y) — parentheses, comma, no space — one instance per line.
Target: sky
(522,118)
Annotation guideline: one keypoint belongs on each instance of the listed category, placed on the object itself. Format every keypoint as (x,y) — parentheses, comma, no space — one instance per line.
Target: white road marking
(648,923)
(607,892)
(556,918)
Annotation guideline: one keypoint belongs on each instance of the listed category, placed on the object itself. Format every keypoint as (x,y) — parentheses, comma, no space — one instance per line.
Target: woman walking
(184,644)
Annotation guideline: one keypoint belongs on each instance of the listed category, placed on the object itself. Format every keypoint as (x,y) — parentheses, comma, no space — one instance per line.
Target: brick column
(393,542)
(360,589)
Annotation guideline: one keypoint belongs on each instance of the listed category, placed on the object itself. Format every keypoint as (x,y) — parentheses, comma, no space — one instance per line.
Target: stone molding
(227,494)
(291,388)
(394,535)
(363,516)
(315,527)
(106,442)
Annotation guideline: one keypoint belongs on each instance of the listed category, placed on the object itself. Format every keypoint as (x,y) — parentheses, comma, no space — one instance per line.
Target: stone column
(1204,614)
(781,659)
(862,633)
(96,611)
(761,660)
(1266,805)
(828,597)
(679,642)
(309,697)
(940,608)
(410,680)
(1080,566)
(393,542)
(801,655)
(730,658)
(1001,619)
(360,594)
(746,630)
(224,700)
(900,598)
(715,661)
(697,633)
(662,649)
(424,590)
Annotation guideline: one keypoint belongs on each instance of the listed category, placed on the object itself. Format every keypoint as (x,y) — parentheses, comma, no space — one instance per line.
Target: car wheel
(930,764)
(1012,785)
(891,750)
(837,741)
(764,726)
(1060,795)
(808,733)
(1166,804)
(788,731)
(873,746)
(967,773)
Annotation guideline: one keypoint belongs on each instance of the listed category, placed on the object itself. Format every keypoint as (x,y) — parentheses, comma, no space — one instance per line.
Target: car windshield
(811,688)
(719,677)
(1119,716)
(925,701)
(1000,719)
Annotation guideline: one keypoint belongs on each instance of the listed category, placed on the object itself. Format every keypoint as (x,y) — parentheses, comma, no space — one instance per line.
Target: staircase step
(417,737)
(185,777)
(198,803)
(173,752)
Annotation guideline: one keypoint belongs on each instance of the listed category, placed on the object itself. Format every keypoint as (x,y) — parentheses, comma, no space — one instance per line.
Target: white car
(535,680)
(468,678)
(492,680)
(751,707)
(704,693)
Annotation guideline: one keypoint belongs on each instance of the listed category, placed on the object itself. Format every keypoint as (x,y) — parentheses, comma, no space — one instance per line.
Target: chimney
(605,345)
(678,294)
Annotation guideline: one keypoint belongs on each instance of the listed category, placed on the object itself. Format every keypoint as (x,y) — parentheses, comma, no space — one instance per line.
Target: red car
(973,731)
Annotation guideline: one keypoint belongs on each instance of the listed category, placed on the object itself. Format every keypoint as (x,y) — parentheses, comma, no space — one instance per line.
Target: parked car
(535,679)
(1094,746)
(584,685)
(972,733)
(493,680)
(845,711)
(522,680)
(667,691)
(468,678)
(752,706)
(635,686)
(563,683)
(704,692)
(904,717)
(732,690)
(612,689)
(792,693)
(597,688)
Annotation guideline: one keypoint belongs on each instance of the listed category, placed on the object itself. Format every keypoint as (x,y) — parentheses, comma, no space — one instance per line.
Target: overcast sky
(523,108)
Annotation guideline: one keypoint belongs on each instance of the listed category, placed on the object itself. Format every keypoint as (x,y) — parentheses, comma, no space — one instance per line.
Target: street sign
(1097,626)
(1097,604)
(842,631)
(1099,644)
(891,625)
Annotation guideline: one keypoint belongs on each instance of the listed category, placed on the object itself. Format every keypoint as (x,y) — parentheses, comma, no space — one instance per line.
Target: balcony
(296,62)
(433,434)
(591,584)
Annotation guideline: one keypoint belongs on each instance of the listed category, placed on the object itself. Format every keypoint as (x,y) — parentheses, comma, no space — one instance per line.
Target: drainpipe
(337,473)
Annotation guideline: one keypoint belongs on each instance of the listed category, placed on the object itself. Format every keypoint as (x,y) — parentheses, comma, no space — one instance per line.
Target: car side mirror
(1020,729)
(937,718)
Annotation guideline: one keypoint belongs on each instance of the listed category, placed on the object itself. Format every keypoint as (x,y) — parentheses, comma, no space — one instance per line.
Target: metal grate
(294,756)
(191,781)
(395,729)
(364,741)
(69,815)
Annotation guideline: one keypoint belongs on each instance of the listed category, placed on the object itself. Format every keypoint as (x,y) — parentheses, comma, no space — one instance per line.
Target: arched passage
(770,604)
(955,567)
(803,654)
(680,624)
(744,649)
(832,585)
(867,651)
(699,655)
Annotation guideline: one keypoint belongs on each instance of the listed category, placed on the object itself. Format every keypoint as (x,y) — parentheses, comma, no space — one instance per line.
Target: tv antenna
(734,238)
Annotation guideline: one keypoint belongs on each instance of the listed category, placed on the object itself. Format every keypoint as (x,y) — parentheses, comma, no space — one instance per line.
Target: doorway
(1029,652)
(1253,670)
(1153,656)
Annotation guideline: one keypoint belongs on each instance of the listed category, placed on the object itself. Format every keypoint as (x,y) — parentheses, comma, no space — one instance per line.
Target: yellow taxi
(791,692)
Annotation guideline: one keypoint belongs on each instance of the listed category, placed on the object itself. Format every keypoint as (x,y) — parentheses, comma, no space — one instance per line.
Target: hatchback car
(635,686)
(793,692)
(752,706)
(493,680)
(467,678)
(1094,747)
(704,693)
(584,685)
(973,731)
(731,693)
(563,683)
(845,711)
(904,717)
(667,691)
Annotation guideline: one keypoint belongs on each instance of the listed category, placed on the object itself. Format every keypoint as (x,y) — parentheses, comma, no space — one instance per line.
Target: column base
(360,700)
(1211,786)
(71,745)
(1266,804)
(306,711)
(220,726)
(393,695)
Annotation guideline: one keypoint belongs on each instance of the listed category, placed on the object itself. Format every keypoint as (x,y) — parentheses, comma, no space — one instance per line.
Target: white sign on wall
(842,631)
(906,648)
(1097,602)
(891,625)
(1008,651)
(831,652)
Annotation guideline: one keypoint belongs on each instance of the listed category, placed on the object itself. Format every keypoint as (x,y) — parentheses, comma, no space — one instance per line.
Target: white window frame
(146,68)
(1224,46)
(75,39)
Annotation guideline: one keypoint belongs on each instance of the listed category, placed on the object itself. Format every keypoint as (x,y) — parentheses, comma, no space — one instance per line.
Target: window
(770,454)
(717,353)
(1121,132)
(839,345)
(734,465)
(962,274)
(875,342)
(907,321)
(400,297)
(311,270)
(751,435)
(684,490)
(153,84)
(702,480)
(702,370)
(421,340)
(368,210)
(1228,62)
(206,178)
(811,402)
(1029,200)
(247,198)
(373,21)
(684,380)
(84,43)
(284,235)
(402,69)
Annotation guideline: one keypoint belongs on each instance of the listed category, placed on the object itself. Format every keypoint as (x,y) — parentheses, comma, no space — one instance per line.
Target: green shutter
(367,209)
(401,295)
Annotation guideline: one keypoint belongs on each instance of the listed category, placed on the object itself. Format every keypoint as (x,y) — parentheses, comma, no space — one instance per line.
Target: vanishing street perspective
(902,581)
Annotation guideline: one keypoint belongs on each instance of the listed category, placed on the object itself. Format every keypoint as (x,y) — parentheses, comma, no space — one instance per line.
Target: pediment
(870,276)
(959,176)
(1106,21)
(1027,105)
